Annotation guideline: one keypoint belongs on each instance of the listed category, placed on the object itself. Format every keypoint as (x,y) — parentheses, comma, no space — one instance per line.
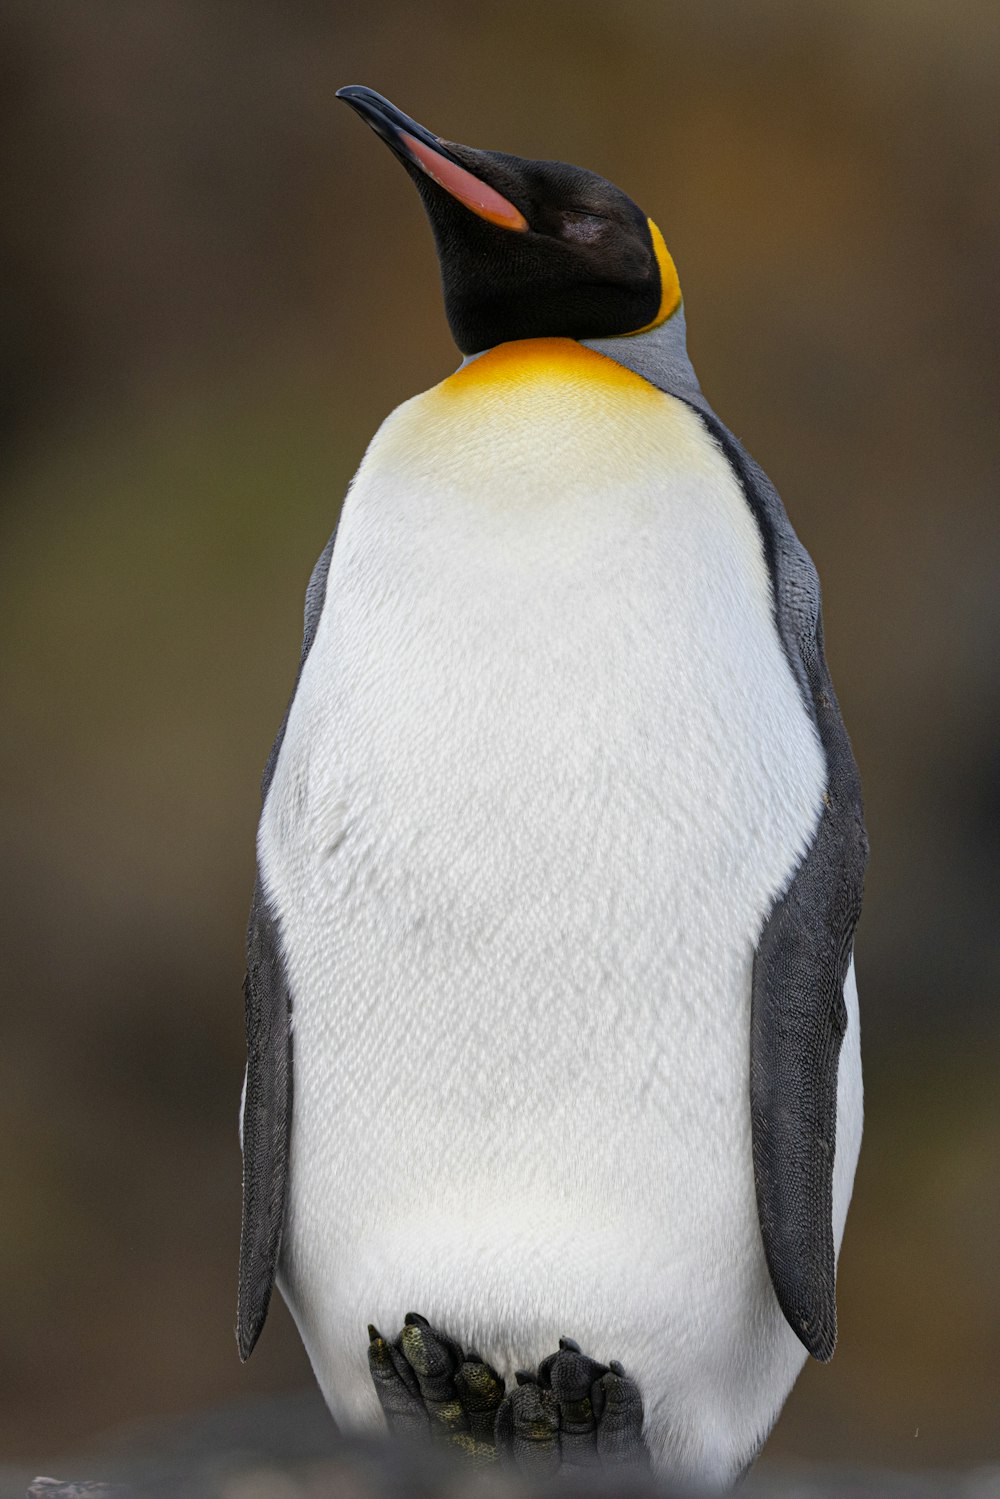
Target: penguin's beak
(417,147)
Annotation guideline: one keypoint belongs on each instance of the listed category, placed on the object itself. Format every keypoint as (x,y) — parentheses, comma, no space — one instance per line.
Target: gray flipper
(267,1109)
(798,1016)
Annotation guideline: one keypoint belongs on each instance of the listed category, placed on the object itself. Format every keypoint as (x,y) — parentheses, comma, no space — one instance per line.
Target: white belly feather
(545,772)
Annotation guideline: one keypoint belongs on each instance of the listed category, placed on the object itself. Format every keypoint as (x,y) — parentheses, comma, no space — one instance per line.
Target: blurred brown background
(215,283)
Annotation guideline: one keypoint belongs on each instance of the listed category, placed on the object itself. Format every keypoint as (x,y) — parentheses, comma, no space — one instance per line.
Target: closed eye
(582,226)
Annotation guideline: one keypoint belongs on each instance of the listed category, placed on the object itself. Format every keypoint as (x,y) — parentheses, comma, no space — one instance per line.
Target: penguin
(552,1022)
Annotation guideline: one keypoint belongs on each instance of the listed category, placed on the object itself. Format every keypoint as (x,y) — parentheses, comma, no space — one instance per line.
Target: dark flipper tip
(248,1327)
(821,1339)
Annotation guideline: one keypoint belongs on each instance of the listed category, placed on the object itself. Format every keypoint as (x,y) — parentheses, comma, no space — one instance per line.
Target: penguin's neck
(659,356)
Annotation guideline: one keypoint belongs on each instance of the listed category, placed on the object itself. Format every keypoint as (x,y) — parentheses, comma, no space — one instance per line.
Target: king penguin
(551,1014)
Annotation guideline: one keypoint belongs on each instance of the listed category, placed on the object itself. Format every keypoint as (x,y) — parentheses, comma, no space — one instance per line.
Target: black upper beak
(389,122)
(422,152)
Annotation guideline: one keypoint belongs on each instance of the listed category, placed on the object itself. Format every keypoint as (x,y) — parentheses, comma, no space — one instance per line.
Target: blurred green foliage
(215,286)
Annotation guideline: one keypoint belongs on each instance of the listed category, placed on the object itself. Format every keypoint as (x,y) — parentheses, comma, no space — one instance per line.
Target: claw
(374,1336)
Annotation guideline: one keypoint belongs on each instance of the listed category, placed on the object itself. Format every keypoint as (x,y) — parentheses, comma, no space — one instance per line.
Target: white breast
(545,772)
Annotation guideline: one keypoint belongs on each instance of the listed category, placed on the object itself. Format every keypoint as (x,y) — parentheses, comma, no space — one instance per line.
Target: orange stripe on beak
(476,195)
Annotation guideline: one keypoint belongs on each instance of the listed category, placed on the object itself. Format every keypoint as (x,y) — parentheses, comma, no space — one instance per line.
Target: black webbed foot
(426,1384)
(573,1414)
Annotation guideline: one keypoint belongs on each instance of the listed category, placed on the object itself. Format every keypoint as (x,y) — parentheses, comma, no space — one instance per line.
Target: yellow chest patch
(542,422)
(535,361)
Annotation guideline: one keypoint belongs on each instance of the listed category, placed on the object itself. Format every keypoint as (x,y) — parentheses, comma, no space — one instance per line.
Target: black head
(528,249)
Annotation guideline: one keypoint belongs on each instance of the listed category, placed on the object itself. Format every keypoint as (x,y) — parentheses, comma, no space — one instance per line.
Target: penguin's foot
(573,1414)
(427,1385)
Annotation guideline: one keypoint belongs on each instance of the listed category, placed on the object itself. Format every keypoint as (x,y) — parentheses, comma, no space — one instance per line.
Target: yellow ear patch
(670,286)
